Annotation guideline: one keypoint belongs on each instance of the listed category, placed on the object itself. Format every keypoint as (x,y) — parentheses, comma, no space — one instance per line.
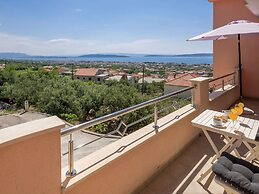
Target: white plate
(219,126)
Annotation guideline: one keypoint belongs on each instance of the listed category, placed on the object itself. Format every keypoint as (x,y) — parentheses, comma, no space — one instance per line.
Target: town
(78,92)
(173,76)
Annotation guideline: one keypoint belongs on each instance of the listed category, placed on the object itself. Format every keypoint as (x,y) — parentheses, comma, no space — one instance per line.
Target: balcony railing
(153,102)
(222,81)
(119,162)
(216,83)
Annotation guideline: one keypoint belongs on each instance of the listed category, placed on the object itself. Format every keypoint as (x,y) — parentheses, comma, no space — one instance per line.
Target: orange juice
(233,114)
(240,104)
(239,110)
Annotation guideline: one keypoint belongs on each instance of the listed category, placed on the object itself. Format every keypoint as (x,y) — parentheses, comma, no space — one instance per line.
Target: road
(94,142)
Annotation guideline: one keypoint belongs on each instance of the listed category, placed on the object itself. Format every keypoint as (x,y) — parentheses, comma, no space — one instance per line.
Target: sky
(73,27)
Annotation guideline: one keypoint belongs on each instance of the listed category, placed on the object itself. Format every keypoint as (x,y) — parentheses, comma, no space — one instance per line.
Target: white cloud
(66,46)
(78,10)
(60,40)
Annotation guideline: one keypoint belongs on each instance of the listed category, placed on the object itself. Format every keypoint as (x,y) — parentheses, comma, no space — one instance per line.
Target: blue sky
(64,27)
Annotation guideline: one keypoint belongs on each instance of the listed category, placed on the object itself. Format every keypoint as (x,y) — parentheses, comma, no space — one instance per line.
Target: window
(89,78)
(98,79)
(78,78)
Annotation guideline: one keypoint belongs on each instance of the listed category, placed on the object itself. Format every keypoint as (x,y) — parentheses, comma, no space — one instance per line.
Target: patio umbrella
(232,30)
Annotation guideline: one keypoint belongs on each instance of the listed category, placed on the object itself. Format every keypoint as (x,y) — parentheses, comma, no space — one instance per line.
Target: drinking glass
(233,115)
(239,108)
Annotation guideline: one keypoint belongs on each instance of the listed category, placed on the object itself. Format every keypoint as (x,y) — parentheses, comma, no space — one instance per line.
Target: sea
(133,59)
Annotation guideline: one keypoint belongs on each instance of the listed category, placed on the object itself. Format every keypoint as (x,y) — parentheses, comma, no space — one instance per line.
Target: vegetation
(77,101)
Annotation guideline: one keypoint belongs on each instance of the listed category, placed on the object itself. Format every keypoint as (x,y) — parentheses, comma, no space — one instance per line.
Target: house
(178,83)
(64,71)
(117,78)
(151,80)
(120,77)
(173,76)
(91,74)
(2,66)
(48,68)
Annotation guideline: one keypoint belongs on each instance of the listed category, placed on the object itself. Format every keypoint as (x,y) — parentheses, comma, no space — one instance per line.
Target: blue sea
(139,59)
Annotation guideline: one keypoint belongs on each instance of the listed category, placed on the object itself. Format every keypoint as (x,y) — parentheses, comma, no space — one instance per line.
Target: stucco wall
(30,157)
(133,167)
(226,51)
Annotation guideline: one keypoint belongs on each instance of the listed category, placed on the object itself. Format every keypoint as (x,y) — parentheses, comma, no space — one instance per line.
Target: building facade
(225,51)
(91,74)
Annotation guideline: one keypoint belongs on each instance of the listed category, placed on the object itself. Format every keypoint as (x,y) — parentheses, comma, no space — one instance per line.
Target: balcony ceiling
(253,6)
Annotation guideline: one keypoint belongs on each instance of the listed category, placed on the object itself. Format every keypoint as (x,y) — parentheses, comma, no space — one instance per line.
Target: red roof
(87,72)
(172,77)
(183,80)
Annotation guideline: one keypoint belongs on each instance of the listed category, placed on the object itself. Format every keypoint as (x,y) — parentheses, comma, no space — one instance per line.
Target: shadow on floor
(181,175)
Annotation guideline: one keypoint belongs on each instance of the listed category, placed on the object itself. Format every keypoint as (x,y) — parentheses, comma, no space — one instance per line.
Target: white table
(244,131)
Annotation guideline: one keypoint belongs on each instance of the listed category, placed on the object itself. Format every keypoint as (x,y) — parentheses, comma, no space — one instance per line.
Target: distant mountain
(49,57)
(13,55)
(183,55)
(104,56)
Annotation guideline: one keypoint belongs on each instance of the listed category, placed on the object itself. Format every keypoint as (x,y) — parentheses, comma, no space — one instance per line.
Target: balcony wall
(30,152)
(127,170)
(30,157)
(225,52)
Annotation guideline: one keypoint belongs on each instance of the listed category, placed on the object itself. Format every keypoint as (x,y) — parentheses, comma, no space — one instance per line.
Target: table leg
(214,147)
(253,152)
(208,171)
(231,144)
(203,175)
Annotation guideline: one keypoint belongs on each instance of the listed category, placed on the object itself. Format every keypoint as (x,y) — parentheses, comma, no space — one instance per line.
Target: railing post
(155,118)
(223,84)
(71,171)
(200,93)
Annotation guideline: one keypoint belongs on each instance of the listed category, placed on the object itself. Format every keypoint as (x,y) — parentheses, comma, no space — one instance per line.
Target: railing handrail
(70,130)
(217,78)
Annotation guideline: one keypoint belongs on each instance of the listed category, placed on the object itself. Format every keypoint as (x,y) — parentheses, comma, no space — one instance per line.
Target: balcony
(166,156)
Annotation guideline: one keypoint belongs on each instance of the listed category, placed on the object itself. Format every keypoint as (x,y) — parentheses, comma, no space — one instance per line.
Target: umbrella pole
(240,66)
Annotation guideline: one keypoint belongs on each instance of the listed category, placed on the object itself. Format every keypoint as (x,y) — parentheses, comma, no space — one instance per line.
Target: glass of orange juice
(233,115)
(239,108)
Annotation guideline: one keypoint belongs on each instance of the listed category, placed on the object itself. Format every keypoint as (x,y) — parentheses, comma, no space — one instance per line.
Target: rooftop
(87,72)
(183,80)
(151,79)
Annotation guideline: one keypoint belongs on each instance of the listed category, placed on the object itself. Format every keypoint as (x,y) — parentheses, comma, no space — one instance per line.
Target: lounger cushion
(238,173)
(257,136)
(256,178)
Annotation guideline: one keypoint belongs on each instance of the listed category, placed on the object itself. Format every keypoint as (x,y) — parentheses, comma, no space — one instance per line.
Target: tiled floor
(253,105)
(181,175)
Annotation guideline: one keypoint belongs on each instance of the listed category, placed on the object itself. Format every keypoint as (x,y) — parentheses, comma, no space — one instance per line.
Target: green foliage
(101,128)
(74,100)
(60,95)
(71,118)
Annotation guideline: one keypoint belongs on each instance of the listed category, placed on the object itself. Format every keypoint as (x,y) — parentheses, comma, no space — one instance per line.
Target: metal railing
(70,130)
(222,81)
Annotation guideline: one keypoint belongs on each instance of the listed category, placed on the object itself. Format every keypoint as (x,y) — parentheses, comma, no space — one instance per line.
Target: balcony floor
(181,175)
(252,105)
